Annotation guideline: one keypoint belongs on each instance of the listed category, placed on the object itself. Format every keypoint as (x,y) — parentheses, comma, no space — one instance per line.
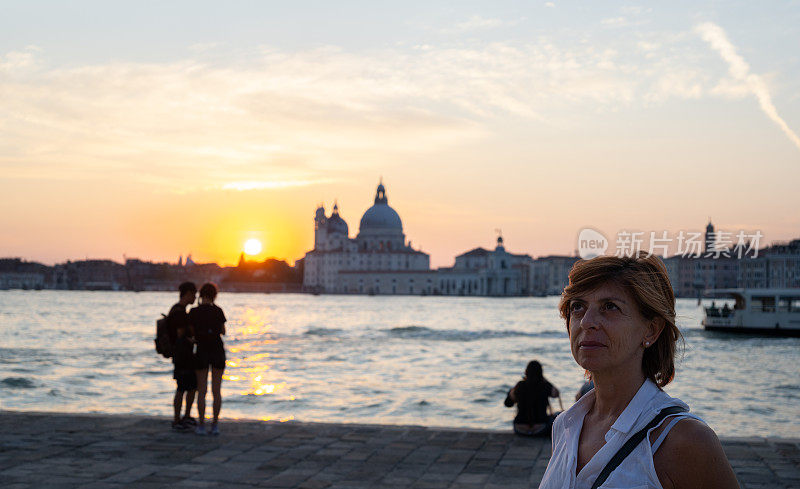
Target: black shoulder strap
(629,445)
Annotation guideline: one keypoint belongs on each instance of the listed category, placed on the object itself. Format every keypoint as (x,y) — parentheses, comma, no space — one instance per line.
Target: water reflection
(400,360)
(270,418)
(248,346)
(251,334)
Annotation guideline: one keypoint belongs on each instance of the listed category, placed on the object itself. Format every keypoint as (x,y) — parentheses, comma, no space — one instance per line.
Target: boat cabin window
(789,304)
(763,303)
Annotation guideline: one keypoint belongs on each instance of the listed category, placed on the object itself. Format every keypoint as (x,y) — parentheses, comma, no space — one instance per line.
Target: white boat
(774,312)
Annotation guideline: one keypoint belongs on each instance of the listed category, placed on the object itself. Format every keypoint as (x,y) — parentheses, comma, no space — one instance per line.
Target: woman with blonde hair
(627,432)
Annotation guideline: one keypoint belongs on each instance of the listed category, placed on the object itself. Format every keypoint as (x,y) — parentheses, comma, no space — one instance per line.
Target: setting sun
(252,246)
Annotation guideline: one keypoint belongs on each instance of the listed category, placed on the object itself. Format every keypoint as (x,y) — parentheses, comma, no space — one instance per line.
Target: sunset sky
(155,129)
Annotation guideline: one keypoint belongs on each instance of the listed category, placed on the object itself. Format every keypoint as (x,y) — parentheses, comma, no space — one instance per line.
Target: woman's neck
(613,392)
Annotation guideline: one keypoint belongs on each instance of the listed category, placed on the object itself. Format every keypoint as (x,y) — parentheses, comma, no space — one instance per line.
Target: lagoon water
(433,361)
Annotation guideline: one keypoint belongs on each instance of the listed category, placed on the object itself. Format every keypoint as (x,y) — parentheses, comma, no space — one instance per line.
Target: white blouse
(637,470)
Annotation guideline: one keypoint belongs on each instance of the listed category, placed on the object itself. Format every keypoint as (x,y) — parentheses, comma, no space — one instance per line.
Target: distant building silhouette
(777,266)
(487,272)
(380,247)
(380,261)
(550,274)
(711,238)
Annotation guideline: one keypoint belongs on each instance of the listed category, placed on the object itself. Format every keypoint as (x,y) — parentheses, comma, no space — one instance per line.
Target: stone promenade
(44,450)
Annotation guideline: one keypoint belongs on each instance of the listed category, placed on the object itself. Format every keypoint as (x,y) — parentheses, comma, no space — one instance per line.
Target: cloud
(738,68)
(273,115)
(614,21)
(477,23)
(17,61)
(277,115)
(273,184)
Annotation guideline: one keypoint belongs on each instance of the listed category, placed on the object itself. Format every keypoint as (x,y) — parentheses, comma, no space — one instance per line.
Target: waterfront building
(18,274)
(89,275)
(380,261)
(379,247)
(550,274)
(478,272)
(21,280)
(691,275)
(777,266)
(485,272)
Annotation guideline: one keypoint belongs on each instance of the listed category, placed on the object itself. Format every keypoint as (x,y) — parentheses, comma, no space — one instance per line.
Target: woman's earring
(646,344)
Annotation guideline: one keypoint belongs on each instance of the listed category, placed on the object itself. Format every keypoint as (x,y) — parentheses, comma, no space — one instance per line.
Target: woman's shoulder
(689,436)
(206,307)
(202,309)
(690,448)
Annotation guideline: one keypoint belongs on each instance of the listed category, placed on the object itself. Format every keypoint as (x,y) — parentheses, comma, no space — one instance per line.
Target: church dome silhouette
(380,216)
(335,223)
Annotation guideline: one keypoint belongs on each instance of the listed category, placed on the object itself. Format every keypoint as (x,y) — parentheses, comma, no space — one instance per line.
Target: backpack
(163,345)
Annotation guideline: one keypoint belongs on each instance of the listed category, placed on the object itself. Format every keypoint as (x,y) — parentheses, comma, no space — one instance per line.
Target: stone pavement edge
(55,450)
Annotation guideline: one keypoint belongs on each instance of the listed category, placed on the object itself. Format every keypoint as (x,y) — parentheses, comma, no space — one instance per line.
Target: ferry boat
(773,312)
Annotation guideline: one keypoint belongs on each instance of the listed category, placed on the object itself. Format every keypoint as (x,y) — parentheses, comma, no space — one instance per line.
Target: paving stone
(472,478)
(108,452)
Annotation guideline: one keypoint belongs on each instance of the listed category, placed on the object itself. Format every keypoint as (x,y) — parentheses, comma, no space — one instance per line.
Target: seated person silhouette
(531,395)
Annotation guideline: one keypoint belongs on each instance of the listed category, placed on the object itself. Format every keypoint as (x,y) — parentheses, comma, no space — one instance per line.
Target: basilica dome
(335,223)
(380,216)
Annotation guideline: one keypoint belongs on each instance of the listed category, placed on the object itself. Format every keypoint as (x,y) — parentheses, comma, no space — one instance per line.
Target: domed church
(380,261)
(379,248)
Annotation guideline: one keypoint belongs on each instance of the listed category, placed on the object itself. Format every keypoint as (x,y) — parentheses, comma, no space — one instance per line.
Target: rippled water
(435,361)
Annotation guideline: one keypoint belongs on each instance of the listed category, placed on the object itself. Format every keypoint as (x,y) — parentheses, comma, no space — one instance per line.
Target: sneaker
(200,430)
(214,430)
(188,420)
(179,426)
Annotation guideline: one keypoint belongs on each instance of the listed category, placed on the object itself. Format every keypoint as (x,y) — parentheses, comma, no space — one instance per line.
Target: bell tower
(320,229)
(711,238)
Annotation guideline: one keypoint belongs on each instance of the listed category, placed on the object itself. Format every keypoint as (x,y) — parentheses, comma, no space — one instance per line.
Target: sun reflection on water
(281,420)
(260,388)
(250,346)
(255,368)
(257,356)
(251,366)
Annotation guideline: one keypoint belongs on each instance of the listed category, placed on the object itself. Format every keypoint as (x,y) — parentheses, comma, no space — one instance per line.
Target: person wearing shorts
(185,378)
(208,322)
(178,320)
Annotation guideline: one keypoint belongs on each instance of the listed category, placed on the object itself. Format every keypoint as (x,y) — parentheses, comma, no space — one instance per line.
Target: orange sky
(103,220)
(537,122)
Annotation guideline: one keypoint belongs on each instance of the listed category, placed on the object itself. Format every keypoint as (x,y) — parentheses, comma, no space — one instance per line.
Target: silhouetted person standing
(208,322)
(177,319)
(185,378)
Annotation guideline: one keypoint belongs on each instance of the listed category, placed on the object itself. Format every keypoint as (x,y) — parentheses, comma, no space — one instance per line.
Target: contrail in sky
(740,70)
